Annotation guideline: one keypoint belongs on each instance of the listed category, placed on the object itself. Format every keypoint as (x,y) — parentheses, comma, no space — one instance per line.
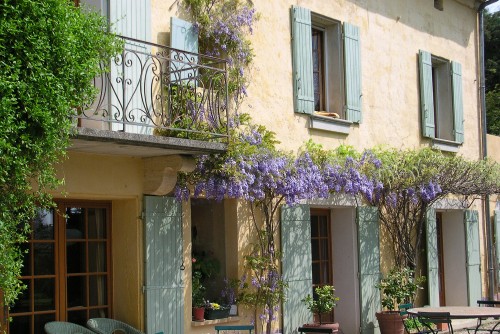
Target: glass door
(66,269)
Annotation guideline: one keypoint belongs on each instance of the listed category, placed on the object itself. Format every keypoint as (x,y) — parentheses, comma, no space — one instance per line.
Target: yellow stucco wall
(120,181)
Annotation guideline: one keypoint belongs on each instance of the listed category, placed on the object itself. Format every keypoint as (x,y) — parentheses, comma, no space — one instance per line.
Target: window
(66,269)
(326,66)
(441,98)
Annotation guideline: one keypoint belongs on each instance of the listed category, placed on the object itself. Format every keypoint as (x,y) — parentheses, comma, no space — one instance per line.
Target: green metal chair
(109,326)
(62,327)
(234,328)
(432,319)
(411,323)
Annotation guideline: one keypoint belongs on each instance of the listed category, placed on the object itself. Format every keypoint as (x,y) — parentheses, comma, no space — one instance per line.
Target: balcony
(154,100)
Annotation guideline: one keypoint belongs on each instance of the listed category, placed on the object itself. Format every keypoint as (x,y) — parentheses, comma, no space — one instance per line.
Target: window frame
(346,39)
(441,101)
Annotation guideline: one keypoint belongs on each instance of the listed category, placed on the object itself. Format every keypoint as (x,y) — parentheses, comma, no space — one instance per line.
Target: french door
(67,267)
(321,248)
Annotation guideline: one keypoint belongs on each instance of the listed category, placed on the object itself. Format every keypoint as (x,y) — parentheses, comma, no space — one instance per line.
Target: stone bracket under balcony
(160,173)
(107,142)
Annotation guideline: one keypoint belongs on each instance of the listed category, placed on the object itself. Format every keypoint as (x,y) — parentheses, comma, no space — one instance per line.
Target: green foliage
(492,70)
(400,286)
(263,287)
(324,300)
(198,293)
(412,180)
(49,53)
(493,111)
(492,49)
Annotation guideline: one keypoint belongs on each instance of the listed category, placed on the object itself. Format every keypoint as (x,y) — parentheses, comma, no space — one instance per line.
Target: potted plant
(324,301)
(398,287)
(198,297)
(229,293)
(216,311)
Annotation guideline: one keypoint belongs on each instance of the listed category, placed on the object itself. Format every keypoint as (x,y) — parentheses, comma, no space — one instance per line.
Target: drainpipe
(482,96)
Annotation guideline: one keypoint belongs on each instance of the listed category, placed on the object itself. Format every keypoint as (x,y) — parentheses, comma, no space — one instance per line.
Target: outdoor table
(461,312)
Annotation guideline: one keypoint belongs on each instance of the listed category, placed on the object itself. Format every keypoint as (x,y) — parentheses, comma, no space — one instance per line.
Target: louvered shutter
(458,108)
(184,37)
(130,18)
(473,256)
(164,287)
(296,265)
(303,86)
(369,267)
(352,56)
(496,218)
(426,95)
(432,257)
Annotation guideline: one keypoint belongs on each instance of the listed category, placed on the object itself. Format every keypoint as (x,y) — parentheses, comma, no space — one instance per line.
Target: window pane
(314,226)
(99,313)
(77,291)
(43,254)
(44,294)
(75,223)
(97,223)
(41,320)
(325,271)
(97,257)
(98,290)
(315,249)
(21,325)
(75,260)
(23,302)
(316,273)
(324,249)
(43,225)
(323,226)
(78,317)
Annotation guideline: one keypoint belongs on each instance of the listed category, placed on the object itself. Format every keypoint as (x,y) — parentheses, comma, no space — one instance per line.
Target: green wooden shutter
(473,256)
(352,59)
(164,287)
(369,267)
(130,18)
(432,258)
(496,218)
(426,95)
(184,37)
(458,108)
(296,264)
(303,87)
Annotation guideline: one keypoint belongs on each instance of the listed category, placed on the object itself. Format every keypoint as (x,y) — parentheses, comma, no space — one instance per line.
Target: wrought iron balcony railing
(154,89)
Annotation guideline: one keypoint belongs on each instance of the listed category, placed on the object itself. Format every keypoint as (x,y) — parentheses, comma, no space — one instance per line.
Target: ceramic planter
(198,313)
(390,322)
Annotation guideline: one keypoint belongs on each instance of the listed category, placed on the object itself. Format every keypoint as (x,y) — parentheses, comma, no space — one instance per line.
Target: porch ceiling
(137,145)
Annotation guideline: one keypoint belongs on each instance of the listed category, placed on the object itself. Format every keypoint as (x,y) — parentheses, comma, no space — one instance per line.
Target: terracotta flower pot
(333,326)
(198,313)
(390,322)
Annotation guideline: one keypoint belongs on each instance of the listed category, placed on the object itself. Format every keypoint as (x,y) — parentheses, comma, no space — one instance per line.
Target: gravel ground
(486,324)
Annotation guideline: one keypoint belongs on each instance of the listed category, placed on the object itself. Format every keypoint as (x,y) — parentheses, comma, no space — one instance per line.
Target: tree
(412,180)
(492,59)
(49,53)
(492,49)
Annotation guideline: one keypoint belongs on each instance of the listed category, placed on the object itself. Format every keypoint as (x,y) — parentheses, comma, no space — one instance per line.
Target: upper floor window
(326,66)
(441,98)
